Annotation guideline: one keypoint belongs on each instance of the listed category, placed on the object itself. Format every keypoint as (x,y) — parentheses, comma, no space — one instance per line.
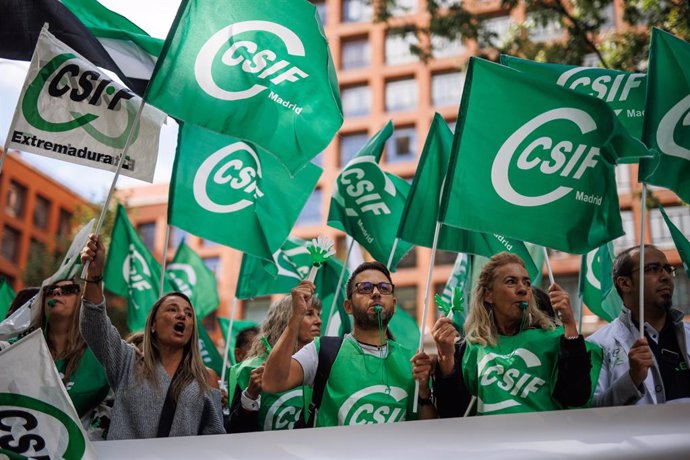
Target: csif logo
(607,87)
(137,272)
(184,277)
(508,378)
(284,412)
(245,55)
(66,77)
(31,428)
(677,117)
(592,258)
(363,182)
(374,404)
(293,263)
(565,158)
(236,166)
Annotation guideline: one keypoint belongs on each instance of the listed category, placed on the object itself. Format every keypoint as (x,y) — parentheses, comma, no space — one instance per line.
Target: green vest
(519,373)
(88,385)
(366,389)
(278,411)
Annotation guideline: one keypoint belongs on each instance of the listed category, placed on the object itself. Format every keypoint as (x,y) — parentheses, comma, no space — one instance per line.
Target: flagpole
(579,281)
(426,308)
(390,257)
(121,161)
(164,262)
(227,343)
(643,206)
(548,264)
(340,283)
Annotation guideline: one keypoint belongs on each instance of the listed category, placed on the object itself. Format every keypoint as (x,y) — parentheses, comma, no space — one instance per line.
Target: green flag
(131,271)
(259,70)
(290,265)
(624,92)
(237,326)
(221,185)
(7,295)
(680,240)
(189,274)
(666,123)
(367,203)
(209,352)
(404,329)
(535,162)
(421,210)
(596,283)
(133,50)
(459,284)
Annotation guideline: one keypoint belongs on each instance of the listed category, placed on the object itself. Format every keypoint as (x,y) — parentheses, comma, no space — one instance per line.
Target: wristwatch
(248,403)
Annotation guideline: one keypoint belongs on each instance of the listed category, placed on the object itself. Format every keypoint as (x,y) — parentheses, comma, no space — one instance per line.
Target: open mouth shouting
(179,328)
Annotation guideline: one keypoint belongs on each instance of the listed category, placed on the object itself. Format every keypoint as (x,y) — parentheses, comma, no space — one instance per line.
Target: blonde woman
(514,358)
(164,391)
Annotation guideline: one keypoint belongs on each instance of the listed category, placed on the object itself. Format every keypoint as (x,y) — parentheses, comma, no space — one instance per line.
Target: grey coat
(615,387)
(138,402)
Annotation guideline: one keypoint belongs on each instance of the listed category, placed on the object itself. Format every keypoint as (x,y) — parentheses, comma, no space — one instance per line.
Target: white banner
(37,418)
(72,111)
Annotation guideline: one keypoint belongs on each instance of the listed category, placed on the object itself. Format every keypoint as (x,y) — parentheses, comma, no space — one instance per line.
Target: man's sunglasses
(65,289)
(366,287)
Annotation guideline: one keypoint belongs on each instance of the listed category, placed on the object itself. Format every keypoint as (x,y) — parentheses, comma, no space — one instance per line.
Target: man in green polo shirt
(372,378)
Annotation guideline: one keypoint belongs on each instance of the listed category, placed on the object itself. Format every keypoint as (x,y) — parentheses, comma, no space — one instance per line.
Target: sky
(155,17)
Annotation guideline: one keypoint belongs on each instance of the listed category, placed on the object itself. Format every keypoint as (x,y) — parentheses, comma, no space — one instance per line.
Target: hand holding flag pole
(321,249)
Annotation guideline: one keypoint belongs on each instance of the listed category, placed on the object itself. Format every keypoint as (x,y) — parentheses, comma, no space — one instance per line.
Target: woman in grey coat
(164,391)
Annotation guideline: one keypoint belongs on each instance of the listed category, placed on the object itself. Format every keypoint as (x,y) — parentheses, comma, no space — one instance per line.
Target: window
(591,60)
(208,243)
(497,28)
(609,18)
(356,11)
(356,53)
(623,178)
(402,145)
(16,200)
(176,236)
(407,299)
(403,7)
(445,258)
(409,260)
(543,32)
(446,89)
(41,212)
(213,264)
(256,309)
(681,291)
(350,145)
(401,95)
(356,100)
(451,124)
(311,213)
(321,10)
(627,240)
(442,47)
(10,244)
(147,232)
(398,48)
(661,235)
(64,224)
(318,159)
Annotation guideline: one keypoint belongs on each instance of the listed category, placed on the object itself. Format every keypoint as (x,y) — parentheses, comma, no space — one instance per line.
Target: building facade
(36,216)
(381,80)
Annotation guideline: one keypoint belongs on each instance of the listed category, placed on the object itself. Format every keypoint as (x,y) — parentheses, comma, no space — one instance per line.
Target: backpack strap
(328,351)
(169,406)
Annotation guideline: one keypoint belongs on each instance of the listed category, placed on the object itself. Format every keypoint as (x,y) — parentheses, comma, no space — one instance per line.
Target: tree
(585,23)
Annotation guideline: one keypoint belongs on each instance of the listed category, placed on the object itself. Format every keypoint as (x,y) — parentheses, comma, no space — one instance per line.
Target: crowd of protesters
(519,350)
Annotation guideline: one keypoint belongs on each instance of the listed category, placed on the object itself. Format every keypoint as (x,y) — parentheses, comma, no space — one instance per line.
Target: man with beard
(656,369)
(371,378)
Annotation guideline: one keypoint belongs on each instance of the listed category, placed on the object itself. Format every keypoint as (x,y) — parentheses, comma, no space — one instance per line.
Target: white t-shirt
(308,358)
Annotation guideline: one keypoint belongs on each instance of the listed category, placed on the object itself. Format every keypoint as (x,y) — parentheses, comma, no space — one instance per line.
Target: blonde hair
(275,323)
(75,344)
(479,326)
(192,366)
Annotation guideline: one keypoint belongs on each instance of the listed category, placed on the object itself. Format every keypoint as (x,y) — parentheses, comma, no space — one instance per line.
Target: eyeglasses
(655,269)
(65,289)
(366,287)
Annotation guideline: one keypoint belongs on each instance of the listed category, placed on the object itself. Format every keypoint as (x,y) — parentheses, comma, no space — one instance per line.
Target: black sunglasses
(366,287)
(65,289)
